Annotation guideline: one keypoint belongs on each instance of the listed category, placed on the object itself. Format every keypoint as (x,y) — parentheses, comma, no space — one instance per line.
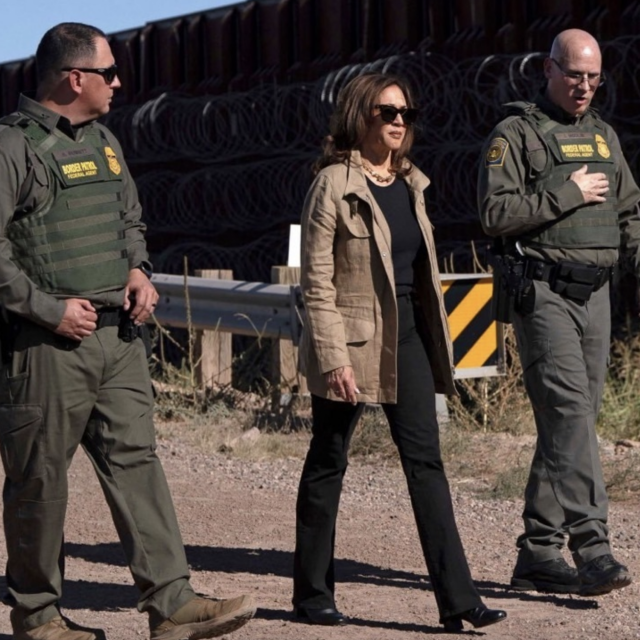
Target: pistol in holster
(9,329)
(128,331)
(504,291)
(513,290)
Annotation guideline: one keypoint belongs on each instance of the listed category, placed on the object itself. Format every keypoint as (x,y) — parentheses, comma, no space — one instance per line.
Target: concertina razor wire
(222,177)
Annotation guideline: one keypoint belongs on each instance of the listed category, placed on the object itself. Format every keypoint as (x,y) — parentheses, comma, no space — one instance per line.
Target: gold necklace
(376,175)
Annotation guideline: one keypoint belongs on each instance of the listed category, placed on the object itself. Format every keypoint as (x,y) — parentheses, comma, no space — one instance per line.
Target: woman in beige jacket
(375,331)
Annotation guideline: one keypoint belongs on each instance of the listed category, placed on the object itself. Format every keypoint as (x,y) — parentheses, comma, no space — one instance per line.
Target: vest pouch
(574,281)
(575,272)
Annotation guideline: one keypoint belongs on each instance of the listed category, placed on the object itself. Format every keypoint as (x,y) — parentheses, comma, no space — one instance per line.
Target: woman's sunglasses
(389,113)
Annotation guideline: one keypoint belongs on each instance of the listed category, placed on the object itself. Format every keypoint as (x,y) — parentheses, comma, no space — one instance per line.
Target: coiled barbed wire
(245,261)
(238,163)
(217,199)
(455,98)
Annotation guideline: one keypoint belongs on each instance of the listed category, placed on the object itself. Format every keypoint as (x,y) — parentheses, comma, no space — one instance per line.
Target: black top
(407,242)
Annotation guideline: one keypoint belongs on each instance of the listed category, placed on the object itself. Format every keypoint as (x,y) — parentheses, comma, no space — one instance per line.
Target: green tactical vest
(74,242)
(567,148)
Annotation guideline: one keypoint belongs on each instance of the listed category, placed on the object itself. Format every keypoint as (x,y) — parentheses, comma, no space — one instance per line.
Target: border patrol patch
(496,153)
(603,148)
(114,165)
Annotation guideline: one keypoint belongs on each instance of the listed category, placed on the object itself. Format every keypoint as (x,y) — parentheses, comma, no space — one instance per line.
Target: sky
(25,21)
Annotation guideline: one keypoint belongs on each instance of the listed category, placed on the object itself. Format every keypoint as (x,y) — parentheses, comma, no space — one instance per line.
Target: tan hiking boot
(202,618)
(55,629)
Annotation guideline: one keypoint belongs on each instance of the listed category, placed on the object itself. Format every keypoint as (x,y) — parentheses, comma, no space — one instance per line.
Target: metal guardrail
(243,308)
(274,311)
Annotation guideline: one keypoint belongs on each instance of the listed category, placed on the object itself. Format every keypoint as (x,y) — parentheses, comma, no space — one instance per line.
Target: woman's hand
(343,384)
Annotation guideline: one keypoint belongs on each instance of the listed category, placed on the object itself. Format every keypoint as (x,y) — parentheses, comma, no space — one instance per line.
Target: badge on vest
(114,165)
(603,148)
(497,152)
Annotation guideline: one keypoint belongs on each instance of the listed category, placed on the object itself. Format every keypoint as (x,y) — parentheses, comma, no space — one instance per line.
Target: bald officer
(556,191)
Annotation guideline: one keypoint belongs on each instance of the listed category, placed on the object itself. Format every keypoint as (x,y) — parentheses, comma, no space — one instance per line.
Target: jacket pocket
(356,226)
(358,329)
(22,441)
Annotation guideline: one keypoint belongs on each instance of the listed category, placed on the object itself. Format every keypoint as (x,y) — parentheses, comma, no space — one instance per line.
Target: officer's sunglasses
(389,113)
(108,73)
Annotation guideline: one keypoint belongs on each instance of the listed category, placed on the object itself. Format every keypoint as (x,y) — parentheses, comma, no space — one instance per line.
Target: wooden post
(213,348)
(286,377)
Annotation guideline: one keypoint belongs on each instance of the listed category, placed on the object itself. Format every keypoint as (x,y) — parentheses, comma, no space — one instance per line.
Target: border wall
(222,112)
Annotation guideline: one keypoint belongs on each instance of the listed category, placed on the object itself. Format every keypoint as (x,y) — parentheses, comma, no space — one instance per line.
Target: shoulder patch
(497,152)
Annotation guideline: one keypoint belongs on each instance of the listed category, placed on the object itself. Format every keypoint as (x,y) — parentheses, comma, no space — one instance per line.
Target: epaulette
(518,108)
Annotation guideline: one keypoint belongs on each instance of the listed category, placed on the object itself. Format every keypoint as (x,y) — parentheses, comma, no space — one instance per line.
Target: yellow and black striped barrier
(478,342)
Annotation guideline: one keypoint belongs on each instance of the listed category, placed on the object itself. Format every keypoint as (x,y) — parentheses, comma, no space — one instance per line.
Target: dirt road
(237,519)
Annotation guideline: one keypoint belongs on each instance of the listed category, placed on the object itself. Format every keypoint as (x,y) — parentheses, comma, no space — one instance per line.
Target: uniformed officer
(74,291)
(556,189)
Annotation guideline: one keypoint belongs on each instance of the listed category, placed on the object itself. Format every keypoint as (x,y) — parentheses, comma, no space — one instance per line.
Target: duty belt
(118,317)
(570,279)
(109,317)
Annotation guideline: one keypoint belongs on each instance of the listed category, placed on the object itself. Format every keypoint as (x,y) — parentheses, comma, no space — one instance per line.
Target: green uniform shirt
(22,188)
(507,208)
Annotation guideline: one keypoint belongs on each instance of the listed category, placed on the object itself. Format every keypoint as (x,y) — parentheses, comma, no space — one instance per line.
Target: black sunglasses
(108,73)
(389,113)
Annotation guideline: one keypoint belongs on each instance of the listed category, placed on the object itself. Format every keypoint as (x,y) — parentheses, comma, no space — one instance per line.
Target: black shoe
(602,575)
(329,617)
(478,617)
(548,576)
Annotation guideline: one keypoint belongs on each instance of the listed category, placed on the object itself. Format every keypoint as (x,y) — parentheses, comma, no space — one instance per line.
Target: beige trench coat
(351,315)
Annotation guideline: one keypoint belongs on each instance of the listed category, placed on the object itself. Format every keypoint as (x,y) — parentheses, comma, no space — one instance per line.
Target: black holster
(128,331)
(9,328)
(509,287)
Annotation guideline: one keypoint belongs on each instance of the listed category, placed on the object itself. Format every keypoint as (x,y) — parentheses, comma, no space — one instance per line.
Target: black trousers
(414,429)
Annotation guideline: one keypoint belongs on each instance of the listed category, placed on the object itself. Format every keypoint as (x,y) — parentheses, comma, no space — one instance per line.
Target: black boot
(478,617)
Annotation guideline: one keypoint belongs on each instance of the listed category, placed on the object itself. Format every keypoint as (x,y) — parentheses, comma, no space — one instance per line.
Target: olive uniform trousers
(55,395)
(564,348)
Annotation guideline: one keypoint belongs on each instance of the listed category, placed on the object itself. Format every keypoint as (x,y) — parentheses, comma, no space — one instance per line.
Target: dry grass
(620,414)
(487,444)
(372,438)
(495,404)
(212,432)
(622,475)
(210,419)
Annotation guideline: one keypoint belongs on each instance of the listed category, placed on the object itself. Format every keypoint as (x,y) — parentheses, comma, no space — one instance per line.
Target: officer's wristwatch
(146,268)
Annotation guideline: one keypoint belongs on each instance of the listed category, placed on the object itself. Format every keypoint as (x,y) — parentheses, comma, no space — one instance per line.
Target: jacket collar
(558,113)
(43,116)
(357,180)
(48,119)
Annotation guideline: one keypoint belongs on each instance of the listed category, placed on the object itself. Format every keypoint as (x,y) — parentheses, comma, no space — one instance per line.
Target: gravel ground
(237,519)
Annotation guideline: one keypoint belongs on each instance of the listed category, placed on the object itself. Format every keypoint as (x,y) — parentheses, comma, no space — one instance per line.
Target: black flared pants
(414,429)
